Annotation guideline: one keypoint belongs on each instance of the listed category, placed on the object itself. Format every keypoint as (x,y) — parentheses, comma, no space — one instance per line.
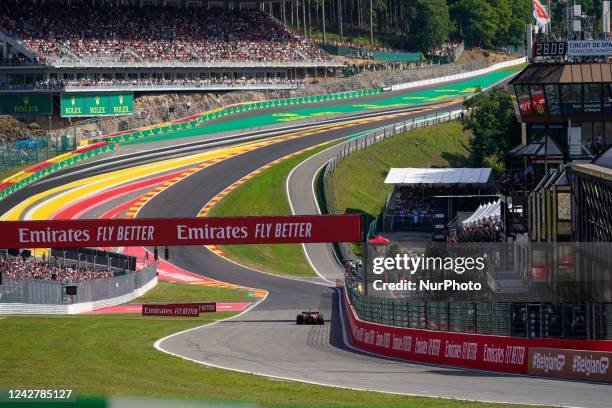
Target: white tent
(438,176)
(484,212)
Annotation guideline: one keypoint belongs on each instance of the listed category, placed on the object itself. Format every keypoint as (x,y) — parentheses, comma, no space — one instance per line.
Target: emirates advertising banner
(181,231)
(496,353)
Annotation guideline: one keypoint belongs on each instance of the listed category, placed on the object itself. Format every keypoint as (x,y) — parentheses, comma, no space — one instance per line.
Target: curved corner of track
(265,340)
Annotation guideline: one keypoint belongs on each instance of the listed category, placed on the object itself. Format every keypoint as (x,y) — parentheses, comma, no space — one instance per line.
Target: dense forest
(419,25)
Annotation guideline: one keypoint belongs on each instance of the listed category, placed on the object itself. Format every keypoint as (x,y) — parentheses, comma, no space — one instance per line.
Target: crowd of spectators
(410,208)
(446,49)
(31,268)
(53,84)
(484,231)
(353,45)
(131,34)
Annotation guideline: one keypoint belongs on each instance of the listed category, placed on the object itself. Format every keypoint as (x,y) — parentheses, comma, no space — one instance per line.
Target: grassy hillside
(359,180)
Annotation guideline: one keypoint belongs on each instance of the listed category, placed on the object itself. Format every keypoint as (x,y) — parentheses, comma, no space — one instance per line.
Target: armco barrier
(19,180)
(476,351)
(184,124)
(456,77)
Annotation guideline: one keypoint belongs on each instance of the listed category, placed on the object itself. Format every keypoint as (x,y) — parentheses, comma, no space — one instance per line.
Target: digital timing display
(550,49)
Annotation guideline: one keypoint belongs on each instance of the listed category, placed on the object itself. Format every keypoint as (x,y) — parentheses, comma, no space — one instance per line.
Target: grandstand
(136,45)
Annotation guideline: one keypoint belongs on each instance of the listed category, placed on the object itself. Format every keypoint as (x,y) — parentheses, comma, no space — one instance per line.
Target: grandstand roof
(439,176)
(564,74)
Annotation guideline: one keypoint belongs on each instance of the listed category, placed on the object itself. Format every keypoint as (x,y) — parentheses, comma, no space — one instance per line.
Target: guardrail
(456,77)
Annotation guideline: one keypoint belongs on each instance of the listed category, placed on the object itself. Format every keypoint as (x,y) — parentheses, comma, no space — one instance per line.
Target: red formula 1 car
(310,317)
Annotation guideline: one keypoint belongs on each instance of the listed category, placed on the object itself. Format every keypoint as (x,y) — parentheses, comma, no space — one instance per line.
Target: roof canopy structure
(564,74)
(545,146)
(414,176)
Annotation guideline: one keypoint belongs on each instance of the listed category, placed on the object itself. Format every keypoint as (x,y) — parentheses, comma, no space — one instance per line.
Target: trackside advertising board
(28,104)
(172,310)
(589,48)
(572,364)
(181,231)
(486,352)
(79,105)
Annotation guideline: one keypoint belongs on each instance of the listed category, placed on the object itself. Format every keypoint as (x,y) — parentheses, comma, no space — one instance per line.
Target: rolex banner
(25,104)
(76,105)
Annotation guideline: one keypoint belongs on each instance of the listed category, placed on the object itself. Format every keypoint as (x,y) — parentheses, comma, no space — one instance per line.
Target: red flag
(540,13)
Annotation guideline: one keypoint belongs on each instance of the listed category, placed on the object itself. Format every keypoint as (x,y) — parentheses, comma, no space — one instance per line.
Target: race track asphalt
(266,341)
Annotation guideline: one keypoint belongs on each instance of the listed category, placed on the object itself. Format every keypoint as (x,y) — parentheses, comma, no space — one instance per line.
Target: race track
(265,340)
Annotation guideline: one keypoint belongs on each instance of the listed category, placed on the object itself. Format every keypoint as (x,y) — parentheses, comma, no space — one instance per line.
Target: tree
(503,18)
(431,24)
(493,123)
(476,21)
(521,15)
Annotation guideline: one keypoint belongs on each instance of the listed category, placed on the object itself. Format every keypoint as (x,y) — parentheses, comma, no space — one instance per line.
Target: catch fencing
(42,292)
(588,321)
(33,150)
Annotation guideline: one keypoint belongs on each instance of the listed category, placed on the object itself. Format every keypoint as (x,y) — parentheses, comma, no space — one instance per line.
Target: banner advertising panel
(487,352)
(181,231)
(78,105)
(26,104)
(570,364)
(208,307)
(589,48)
(172,310)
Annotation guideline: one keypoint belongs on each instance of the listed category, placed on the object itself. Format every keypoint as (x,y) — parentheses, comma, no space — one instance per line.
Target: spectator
(128,34)
(411,208)
(31,268)
(446,49)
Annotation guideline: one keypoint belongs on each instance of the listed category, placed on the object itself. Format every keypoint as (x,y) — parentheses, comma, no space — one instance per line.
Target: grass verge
(359,180)
(265,194)
(177,292)
(113,356)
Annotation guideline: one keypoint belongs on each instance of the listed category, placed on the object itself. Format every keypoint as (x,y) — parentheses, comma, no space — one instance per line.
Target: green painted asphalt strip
(459,89)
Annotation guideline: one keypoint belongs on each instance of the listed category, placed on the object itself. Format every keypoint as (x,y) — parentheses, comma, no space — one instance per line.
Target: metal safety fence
(42,292)
(33,150)
(592,321)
